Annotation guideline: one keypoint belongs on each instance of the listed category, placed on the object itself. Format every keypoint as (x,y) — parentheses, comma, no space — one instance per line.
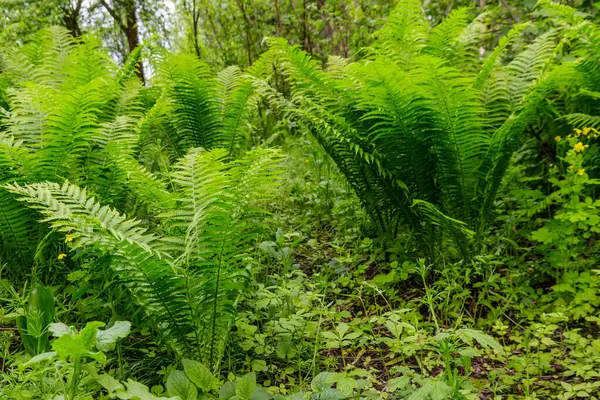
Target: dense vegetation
(380,201)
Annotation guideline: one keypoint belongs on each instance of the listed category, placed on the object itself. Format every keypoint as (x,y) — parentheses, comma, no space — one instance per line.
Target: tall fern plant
(188,280)
(421,127)
(154,180)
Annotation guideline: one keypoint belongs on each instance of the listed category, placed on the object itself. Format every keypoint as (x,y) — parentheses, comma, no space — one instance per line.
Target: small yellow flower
(68,238)
(581,171)
(571,167)
(558,139)
(579,147)
(61,256)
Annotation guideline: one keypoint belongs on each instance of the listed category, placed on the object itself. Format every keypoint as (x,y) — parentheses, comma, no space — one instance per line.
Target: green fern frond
(30,106)
(68,208)
(17,233)
(68,132)
(195,107)
(444,39)
(220,218)
(579,120)
(493,60)
(529,65)
(405,32)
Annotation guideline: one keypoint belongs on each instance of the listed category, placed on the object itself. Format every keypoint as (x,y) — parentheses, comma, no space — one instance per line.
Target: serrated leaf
(322,382)
(483,339)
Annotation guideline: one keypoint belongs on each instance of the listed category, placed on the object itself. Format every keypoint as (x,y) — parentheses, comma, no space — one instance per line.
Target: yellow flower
(61,256)
(68,238)
(571,167)
(581,171)
(579,147)
(558,138)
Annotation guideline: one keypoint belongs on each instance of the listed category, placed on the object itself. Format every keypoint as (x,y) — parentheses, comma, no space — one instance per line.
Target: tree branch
(115,16)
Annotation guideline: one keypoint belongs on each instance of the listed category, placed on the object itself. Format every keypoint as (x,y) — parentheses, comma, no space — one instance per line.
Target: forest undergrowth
(419,220)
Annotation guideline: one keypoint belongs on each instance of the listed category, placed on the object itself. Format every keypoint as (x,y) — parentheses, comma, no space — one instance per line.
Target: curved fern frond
(443,40)
(220,217)
(239,102)
(405,32)
(68,132)
(195,106)
(140,267)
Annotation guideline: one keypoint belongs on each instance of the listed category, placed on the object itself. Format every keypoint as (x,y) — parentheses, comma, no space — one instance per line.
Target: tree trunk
(278,17)
(71,18)
(129,27)
(242,8)
(133,38)
(195,22)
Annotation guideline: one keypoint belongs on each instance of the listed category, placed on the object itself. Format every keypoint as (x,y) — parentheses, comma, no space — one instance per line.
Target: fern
(195,112)
(405,126)
(69,209)
(214,227)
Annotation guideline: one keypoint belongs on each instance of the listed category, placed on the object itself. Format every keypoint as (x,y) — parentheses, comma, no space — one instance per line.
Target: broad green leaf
(331,394)
(178,384)
(106,339)
(88,333)
(322,381)
(199,374)
(245,386)
(50,355)
(227,391)
(433,389)
(109,383)
(342,329)
(347,385)
(483,339)
(138,391)
(79,345)
(260,394)
(59,329)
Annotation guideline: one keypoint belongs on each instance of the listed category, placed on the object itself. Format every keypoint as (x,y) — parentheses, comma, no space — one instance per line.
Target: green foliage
(39,314)
(192,298)
(432,232)
(76,140)
(407,126)
(577,221)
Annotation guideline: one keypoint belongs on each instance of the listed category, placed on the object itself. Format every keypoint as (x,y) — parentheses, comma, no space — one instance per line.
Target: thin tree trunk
(195,21)
(278,18)
(71,18)
(242,8)
(510,10)
(129,28)
(305,33)
(133,39)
